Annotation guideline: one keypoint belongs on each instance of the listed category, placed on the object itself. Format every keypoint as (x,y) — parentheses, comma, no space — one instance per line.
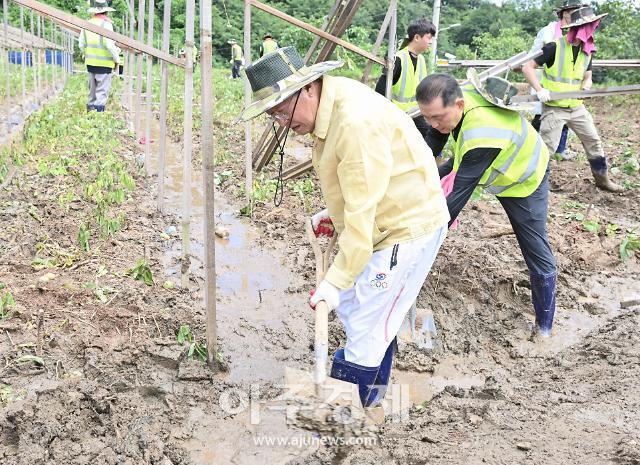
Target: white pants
(373,309)
(99,85)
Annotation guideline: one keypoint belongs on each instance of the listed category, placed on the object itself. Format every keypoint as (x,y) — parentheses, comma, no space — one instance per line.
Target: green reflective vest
(520,166)
(403,92)
(269,46)
(96,52)
(564,75)
(236,52)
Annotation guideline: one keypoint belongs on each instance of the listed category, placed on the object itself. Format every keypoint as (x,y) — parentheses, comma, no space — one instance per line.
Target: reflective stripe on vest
(403,92)
(95,51)
(269,46)
(522,161)
(565,75)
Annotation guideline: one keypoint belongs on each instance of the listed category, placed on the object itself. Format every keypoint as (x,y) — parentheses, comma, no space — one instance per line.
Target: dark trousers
(528,217)
(235,69)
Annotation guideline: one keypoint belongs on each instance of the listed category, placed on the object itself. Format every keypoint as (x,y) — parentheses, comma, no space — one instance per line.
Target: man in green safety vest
(268,45)
(237,58)
(101,56)
(496,148)
(566,67)
(409,69)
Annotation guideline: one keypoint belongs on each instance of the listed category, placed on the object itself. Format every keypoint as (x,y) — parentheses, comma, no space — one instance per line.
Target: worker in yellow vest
(410,67)
(237,58)
(496,148)
(566,67)
(101,56)
(268,45)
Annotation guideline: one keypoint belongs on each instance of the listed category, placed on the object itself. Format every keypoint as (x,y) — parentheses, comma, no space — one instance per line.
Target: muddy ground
(116,387)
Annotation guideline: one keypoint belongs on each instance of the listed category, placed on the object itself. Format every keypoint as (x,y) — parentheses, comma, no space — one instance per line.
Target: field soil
(85,381)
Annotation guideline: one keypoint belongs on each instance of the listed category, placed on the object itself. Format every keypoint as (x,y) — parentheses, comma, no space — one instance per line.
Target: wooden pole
(206,137)
(5,18)
(392,47)
(315,30)
(186,165)
(325,25)
(132,59)
(23,66)
(164,89)
(434,44)
(248,159)
(125,65)
(377,44)
(36,97)
(40,51)
(138,115)
(149,93)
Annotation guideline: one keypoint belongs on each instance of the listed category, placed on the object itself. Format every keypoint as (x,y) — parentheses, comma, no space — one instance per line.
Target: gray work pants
(580,121)
(99,85)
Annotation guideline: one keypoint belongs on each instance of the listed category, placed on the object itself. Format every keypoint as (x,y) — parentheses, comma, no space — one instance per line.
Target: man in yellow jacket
(101,56)
(383,196)
(237,58)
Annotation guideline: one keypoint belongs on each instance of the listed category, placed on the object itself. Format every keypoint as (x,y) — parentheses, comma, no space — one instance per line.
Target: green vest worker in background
(101,56)
(268,45)
(566,67)
(498,149)
(236,58)
(409,69)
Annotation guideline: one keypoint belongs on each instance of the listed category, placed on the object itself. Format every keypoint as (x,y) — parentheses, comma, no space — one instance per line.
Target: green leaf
(184,334)
(30,359)
(591,225)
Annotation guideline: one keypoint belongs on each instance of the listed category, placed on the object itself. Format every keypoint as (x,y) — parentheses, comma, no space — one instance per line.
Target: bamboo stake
(149,93)
(164,88)
(188,126)
(392,47)
(138,115)
(125,65)
(36,97)
(248,159)
(206,63)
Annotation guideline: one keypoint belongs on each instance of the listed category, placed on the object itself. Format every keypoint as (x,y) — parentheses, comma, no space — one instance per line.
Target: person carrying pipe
(383,196)
(496,148)
(550,33)
(101,56)
(566,67)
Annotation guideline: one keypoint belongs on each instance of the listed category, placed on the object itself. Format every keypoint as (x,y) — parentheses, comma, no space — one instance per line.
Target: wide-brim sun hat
(99,6)
(277,76)
(498,91)
(232,41)
(569,5)
(582,16)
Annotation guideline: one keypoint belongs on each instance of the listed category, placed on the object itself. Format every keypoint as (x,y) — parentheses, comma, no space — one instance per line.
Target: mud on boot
(543,297)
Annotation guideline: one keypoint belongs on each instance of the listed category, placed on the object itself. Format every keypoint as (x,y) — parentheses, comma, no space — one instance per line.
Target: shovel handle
(321,340)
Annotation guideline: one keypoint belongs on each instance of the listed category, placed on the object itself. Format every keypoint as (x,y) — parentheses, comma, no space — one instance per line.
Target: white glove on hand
(327,292)
(543,95)
(321,224)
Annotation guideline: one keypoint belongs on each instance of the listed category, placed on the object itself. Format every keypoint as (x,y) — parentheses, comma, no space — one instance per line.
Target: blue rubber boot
(364,377)
(99,108)
(543,296)
(89,108)
(562,145)
(384,371)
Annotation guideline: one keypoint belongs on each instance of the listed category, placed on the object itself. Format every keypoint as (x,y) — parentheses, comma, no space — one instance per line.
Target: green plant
(591,225)
(195,347)
(6,301)
(141,272)
(630,243)
(83,237)
(219,178)
(611,229)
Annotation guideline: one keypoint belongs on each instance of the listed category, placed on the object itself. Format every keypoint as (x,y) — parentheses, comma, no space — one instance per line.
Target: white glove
(327,292)
(543,95)
(321,224)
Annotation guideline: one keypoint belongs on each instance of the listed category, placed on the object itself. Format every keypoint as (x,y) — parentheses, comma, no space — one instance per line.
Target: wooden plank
(621,64)
(312,29)
(392,48)
(377,43)
(297,170)
(248,159)
(341,25)
(121,40)
(325,25)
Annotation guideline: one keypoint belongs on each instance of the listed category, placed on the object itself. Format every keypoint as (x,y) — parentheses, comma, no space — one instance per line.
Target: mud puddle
(262,327)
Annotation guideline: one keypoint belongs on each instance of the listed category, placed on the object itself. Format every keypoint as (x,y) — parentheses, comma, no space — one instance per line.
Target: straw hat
(278,75)
(99,6)
(498,91)
(569,5)
(584,15)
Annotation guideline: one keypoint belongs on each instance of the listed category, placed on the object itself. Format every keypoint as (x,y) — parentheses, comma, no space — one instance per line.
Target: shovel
(336,402)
